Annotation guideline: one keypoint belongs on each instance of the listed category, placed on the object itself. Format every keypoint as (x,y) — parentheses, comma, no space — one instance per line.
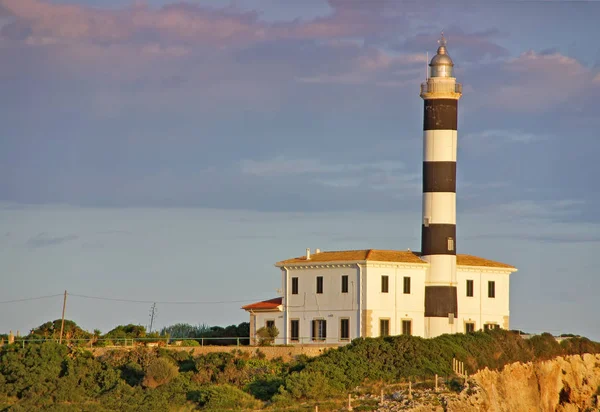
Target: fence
(165,341)
(139,341)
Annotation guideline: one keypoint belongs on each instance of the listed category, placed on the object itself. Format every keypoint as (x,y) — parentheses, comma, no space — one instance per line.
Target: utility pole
(152,314)
(62,324)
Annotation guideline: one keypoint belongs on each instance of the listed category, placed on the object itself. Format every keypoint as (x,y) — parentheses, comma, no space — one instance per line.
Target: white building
(333,297)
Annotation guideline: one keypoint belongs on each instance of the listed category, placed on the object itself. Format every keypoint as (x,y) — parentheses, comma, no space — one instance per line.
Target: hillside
(55,376)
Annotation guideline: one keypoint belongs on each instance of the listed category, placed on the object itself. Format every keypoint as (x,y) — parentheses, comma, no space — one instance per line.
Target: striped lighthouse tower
(438,234)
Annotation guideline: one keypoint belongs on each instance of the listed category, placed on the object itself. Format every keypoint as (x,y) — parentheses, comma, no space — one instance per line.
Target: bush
(190,342)
(310,385)
(545,346)
(266,336)
(225,397)
(159,372)
(265,388)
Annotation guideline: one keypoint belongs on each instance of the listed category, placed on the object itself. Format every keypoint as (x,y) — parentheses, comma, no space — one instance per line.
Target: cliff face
(561,384)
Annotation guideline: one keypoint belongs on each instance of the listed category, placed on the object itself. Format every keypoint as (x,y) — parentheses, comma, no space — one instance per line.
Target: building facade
(334,297)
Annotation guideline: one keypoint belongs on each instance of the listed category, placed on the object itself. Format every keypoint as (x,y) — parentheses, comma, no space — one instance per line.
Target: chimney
(317,251)
(307,253)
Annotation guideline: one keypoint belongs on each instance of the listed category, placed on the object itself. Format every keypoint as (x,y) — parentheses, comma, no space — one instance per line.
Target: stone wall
(286,352)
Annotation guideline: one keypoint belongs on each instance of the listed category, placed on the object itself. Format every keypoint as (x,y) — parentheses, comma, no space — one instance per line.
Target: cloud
(465,48)
(46,23)
(535,209)
(384,176)
(492,140)
(354,18)
(544,238)
(43,240)
(515,136)
(533,82)
(55,23)
(375,66)
(280,166)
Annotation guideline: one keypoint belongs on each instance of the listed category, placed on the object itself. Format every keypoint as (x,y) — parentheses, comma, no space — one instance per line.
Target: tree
(266,336)
(243,331)
(51,330)
(185,331)
(159,372)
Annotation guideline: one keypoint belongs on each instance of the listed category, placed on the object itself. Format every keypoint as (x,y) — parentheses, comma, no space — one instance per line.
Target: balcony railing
(440,87)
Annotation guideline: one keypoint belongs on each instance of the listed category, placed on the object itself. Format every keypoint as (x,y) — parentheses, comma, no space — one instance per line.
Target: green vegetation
(127,335)
(266,336)
(60,377)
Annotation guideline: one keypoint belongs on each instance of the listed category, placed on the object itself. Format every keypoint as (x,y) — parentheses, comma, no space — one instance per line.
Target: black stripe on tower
(441,301)
(440,114)
(438,239)
(439,177)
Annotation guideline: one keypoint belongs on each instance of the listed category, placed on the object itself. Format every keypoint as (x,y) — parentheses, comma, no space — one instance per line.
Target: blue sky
(163,151)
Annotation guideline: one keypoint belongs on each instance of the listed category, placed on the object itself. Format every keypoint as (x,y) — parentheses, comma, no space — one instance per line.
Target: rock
(561,385)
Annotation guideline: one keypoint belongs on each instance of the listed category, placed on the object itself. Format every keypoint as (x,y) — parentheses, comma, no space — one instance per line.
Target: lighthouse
(440,93)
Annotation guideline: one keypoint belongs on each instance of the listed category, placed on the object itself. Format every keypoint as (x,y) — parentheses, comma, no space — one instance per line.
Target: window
(384,327)
(295,330)
(450,244)
(469,327)
(294,286)
(344,283)
(319,284)
(407,285)
(490,326)
(407,327)
(270,324)
(345,329)
(319,329)
(469,288)
(385,284)
(491,289)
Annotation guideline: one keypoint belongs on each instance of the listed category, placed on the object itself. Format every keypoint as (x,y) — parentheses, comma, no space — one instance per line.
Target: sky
(164,151)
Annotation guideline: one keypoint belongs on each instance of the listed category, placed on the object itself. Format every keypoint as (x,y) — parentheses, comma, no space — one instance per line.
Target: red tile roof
(357,255)
(270,304)
(403,256)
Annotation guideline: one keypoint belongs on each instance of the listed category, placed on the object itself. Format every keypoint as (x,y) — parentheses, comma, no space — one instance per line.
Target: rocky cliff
(563,384)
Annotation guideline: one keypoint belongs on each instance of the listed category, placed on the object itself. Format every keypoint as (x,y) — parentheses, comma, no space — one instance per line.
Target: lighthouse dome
(441,64)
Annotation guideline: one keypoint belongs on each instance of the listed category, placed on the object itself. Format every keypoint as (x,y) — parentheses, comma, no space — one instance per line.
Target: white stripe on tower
(438,238)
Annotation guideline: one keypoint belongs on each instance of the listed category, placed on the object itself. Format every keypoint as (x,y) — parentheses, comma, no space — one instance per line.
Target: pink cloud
(372,65)
(201,24)
(535,81)
(66,22)
(463,46)
(47,23)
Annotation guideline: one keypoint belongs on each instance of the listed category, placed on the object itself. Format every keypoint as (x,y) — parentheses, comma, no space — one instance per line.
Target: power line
(163,302)
(28,299)
(133,300)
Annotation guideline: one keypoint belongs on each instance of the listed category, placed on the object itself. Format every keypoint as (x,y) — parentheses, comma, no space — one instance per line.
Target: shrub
(456,385)
(265,388)
(203,376)
(545,346)
(266,336)
(308,385)
(190,342)
(224,397)
(159,372)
